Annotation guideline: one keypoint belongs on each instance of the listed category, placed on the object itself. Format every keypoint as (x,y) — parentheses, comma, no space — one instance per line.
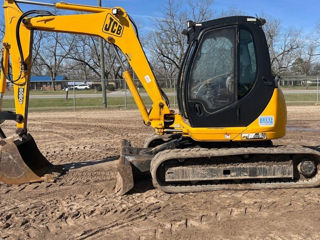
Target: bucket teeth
(125,175)
(22,162)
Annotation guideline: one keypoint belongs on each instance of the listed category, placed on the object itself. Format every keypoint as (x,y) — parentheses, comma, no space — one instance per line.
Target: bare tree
(311,52)
(52,53)
(284,45)
(167,45)
(305,59)
(36,69)
(85,55)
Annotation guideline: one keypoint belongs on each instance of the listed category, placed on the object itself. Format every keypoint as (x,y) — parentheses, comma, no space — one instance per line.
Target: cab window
(247,63)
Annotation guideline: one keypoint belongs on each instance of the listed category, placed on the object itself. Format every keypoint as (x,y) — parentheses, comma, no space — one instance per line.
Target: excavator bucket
(22,162)
(125,174)
(133,165)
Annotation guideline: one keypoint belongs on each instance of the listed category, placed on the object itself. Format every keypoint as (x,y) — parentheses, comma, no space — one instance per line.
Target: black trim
(8,115)
(183,73)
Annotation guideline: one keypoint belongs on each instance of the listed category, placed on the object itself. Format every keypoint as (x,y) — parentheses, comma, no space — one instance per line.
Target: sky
(300,14)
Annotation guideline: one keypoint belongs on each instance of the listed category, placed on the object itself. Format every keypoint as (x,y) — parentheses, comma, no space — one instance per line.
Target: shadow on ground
(76,165)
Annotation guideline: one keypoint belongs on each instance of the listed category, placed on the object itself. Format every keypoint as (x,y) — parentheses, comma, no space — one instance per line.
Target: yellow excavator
(230,106)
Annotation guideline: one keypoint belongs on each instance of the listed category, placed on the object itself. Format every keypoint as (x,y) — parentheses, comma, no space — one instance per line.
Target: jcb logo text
(112,26)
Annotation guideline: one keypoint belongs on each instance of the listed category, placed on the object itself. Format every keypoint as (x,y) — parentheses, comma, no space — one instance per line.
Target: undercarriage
(182,165)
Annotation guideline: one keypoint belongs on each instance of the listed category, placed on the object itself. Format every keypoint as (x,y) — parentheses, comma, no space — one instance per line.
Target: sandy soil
(82,205)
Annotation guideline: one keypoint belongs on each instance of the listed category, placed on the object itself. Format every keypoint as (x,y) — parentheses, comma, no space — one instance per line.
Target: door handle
(267,82)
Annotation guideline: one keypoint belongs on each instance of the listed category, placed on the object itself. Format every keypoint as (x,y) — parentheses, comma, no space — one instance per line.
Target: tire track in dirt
(81,204)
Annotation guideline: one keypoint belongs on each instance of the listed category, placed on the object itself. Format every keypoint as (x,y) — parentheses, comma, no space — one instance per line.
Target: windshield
(212,73)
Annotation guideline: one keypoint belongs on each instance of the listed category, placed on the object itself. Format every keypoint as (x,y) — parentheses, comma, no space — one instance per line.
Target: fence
(298,81)
(75,95)
(301,90)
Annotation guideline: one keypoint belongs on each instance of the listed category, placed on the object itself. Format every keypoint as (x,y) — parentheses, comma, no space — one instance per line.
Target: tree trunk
(53,83)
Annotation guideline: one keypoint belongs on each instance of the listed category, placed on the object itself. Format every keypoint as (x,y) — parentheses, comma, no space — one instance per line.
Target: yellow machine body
(276,109)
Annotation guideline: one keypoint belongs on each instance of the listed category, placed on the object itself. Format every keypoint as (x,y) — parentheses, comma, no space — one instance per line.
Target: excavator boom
(21,161)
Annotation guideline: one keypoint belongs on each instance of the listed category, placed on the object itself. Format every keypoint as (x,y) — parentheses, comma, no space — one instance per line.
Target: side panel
(276,109)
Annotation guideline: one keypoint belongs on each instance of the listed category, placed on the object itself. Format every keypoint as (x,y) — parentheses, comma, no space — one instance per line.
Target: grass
(89,91)
(47,104)
(57,92)
(52,104)
(296,97)
(313,87)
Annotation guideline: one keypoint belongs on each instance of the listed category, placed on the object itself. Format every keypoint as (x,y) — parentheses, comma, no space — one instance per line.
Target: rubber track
(203,152)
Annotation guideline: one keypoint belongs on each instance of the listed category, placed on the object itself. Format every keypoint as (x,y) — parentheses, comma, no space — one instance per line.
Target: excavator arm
(21,161)
(112,24)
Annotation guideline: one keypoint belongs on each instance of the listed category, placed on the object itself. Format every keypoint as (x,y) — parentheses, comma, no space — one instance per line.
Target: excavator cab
(225,79)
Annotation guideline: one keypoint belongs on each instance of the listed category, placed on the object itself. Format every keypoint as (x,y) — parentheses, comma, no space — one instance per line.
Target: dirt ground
(82,205)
